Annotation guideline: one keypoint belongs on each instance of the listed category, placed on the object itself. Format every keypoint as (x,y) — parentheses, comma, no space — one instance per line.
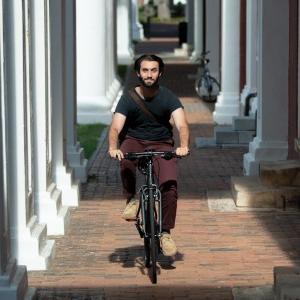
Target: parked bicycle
(149,214)
(207,87)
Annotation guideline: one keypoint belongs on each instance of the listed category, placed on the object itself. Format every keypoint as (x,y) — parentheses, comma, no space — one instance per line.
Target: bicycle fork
(143,208)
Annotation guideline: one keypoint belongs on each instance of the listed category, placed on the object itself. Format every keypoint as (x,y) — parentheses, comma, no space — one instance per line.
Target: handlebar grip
(129,156)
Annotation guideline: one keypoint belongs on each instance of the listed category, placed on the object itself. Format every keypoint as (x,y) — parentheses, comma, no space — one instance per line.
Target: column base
(263,151)
(195,56)
(104,117)
(114,90)
(226,108)
(247,91)
(125,57)
(31,246)
(137,32)
(77,162)
(52,212)
(92,110)
(14,283)
(69,187)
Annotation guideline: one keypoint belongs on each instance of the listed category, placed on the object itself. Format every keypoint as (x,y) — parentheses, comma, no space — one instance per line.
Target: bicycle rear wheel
(207,88)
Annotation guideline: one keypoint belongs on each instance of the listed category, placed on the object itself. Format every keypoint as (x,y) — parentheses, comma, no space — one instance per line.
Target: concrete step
(64,215)
(227,135)
(9,273)
(287,283)
(280,173)
(30,294)
(249,191)
(17,288)
(48,251)
(244,123)
(253,293)
(203,142)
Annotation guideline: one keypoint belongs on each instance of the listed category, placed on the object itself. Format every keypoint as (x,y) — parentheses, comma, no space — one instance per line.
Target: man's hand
(182,151)
(116,154)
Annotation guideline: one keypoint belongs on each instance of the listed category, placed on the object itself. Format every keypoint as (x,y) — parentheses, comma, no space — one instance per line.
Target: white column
(13,278)
(124,47)
(4,229)
(137,28)
(28,237)
(198,30)
(298,80)
(251,52)
(63,176)
(47,197)
(93,105)
(271,142)
(113,84)
(75,154)
(213,36)
(228,101)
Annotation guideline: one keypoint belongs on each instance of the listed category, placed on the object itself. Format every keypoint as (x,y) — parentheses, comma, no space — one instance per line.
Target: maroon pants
(165,172)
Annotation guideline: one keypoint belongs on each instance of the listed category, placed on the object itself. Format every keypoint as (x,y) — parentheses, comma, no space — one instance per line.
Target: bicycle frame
(144,198)
(206,86)
(149,225)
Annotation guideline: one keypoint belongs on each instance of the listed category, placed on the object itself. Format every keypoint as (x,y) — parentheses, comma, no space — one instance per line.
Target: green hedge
(88,136)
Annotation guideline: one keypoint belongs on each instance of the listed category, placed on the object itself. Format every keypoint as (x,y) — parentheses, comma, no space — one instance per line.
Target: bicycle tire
(146,222)
(153,241)
(147,252)
(207,88)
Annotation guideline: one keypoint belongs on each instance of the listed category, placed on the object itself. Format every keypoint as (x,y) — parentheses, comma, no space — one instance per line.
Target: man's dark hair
(149,57)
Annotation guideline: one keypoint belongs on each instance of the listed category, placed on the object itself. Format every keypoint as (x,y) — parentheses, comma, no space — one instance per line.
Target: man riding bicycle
(142,122)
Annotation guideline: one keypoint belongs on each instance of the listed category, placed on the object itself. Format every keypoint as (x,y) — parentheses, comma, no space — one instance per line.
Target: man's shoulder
(166,92)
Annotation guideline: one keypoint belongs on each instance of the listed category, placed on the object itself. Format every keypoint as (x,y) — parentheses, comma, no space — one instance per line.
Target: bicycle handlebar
(164,154)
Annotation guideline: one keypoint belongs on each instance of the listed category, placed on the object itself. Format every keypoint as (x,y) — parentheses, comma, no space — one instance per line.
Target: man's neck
(146,92)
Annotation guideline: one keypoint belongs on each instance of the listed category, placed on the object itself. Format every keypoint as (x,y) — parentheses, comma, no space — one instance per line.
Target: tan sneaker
(167,245)
(130,211)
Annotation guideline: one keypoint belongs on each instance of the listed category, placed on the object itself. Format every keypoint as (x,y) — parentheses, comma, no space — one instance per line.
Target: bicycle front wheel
(153,237)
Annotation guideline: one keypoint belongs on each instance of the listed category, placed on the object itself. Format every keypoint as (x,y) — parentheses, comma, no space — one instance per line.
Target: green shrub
(122,71)
(88,136)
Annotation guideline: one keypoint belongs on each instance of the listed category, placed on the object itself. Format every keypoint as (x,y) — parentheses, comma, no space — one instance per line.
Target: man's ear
(160,74)
(138,74)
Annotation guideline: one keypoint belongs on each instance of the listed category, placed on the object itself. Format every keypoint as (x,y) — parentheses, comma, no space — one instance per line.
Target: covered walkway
(221,248)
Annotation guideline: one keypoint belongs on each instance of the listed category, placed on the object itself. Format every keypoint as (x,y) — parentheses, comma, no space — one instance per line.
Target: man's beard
(152,84)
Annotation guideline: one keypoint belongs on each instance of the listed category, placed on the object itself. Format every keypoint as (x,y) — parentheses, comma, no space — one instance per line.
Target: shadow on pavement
(127,292)
(133,257)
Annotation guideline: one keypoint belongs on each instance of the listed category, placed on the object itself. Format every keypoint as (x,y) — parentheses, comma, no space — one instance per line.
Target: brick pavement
(100,256)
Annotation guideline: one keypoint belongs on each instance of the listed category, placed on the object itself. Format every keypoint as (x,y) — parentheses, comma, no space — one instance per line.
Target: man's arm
(181,124)
(116,126)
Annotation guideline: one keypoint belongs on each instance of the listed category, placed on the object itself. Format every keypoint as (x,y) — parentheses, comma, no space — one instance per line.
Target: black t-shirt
(141,126)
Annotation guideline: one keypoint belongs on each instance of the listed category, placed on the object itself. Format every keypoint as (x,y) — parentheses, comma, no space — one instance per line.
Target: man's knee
(169,190)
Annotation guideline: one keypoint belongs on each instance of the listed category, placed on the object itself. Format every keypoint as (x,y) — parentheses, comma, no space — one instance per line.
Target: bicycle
(149,214)
(207,87)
